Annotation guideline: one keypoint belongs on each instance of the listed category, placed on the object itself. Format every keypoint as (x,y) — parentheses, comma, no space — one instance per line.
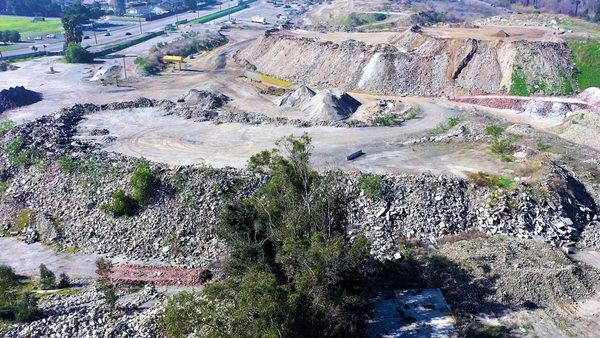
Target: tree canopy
(292,269)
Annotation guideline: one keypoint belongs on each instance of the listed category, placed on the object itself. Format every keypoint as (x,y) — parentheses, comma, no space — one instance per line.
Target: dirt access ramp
(158,275)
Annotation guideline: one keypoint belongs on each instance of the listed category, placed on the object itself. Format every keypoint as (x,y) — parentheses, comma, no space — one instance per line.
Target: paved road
(119,34)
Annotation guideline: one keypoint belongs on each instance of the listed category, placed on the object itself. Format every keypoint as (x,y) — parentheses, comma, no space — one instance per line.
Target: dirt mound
(330,105)
(490,273)
(298,98)
(110,75)
(203,100)
(502,34)
(15,97)
(325,105)
(414,64)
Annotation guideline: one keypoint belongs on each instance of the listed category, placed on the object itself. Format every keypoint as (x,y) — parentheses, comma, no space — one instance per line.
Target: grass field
(7,48)
(27,28)
(586,55)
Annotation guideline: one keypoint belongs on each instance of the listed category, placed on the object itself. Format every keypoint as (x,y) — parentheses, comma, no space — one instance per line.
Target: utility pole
(95,37)
(124,67)
(140,22)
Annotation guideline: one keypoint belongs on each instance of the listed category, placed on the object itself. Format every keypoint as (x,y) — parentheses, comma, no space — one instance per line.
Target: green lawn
(28,28)
(586,55)
(7,48)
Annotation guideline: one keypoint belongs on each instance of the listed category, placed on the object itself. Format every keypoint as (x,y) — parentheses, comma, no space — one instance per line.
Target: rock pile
(177,225)
(15,97)
(322,106)
(86,314)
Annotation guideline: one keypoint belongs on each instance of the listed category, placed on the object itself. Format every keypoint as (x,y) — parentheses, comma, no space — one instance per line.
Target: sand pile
(15,97)
(297,98)
(325,105)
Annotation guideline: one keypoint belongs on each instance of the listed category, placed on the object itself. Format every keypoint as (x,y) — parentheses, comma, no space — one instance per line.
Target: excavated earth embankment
(412,63)
(48,202)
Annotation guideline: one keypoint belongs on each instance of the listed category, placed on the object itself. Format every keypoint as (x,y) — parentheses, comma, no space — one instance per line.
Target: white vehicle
(51,36)
(259,19)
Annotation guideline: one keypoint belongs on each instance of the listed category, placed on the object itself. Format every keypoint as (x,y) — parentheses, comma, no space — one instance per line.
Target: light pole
(140,22)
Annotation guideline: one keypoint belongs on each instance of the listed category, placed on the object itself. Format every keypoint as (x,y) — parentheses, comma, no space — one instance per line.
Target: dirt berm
(414,64)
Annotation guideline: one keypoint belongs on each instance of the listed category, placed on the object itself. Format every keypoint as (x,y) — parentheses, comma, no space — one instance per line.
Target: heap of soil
(325,105)
(203,100)
(331,106)
(15,97)
(298,97)
(5,66)
(502,34)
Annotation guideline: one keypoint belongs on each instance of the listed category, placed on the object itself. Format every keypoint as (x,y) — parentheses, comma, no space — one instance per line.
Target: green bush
(121,204)
(69,164)
(486,180)
(47,278)
(143,183)
(372,186)
(519,83)
(63,281)
(501,146)
(8,277)
(77,54)
(494,130)
(5,127)
(445,127)
(26,310)
(15,146)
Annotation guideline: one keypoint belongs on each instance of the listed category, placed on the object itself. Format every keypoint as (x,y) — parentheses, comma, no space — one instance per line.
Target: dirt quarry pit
(147,132)
(492,33)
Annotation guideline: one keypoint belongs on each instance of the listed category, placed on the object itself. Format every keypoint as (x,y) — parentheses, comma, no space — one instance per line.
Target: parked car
(51,36)
(37,38)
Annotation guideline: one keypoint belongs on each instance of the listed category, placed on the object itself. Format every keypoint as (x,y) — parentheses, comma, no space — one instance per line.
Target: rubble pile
(15,97)
(495,273)
(177,226)
(88,314)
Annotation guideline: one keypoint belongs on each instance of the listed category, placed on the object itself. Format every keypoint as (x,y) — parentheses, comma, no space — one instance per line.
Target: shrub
(486,180)
(543,146)
(69,164)
(387,120)
(47,278)
(372,186)
(8,277)
(111,297)
(494,130)
(142,181)
(121,204)
(5,127)
(501,145)
(103,265)
(24,219)
(15,146)
(445,127)
(77,54)
(519,84)
(63,281)
(26,310)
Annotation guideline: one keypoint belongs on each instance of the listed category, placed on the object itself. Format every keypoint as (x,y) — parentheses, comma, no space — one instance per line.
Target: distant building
(139,9)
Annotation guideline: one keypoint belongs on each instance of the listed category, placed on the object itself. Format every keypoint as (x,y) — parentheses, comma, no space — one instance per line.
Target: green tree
(47,278)
(26,310)
(292,269)
(191,4)
(77,54)
(142,181)
(119,7)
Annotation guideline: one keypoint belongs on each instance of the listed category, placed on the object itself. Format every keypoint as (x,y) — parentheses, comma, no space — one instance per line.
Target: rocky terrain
(87,313)
(61,204)
(413,63)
